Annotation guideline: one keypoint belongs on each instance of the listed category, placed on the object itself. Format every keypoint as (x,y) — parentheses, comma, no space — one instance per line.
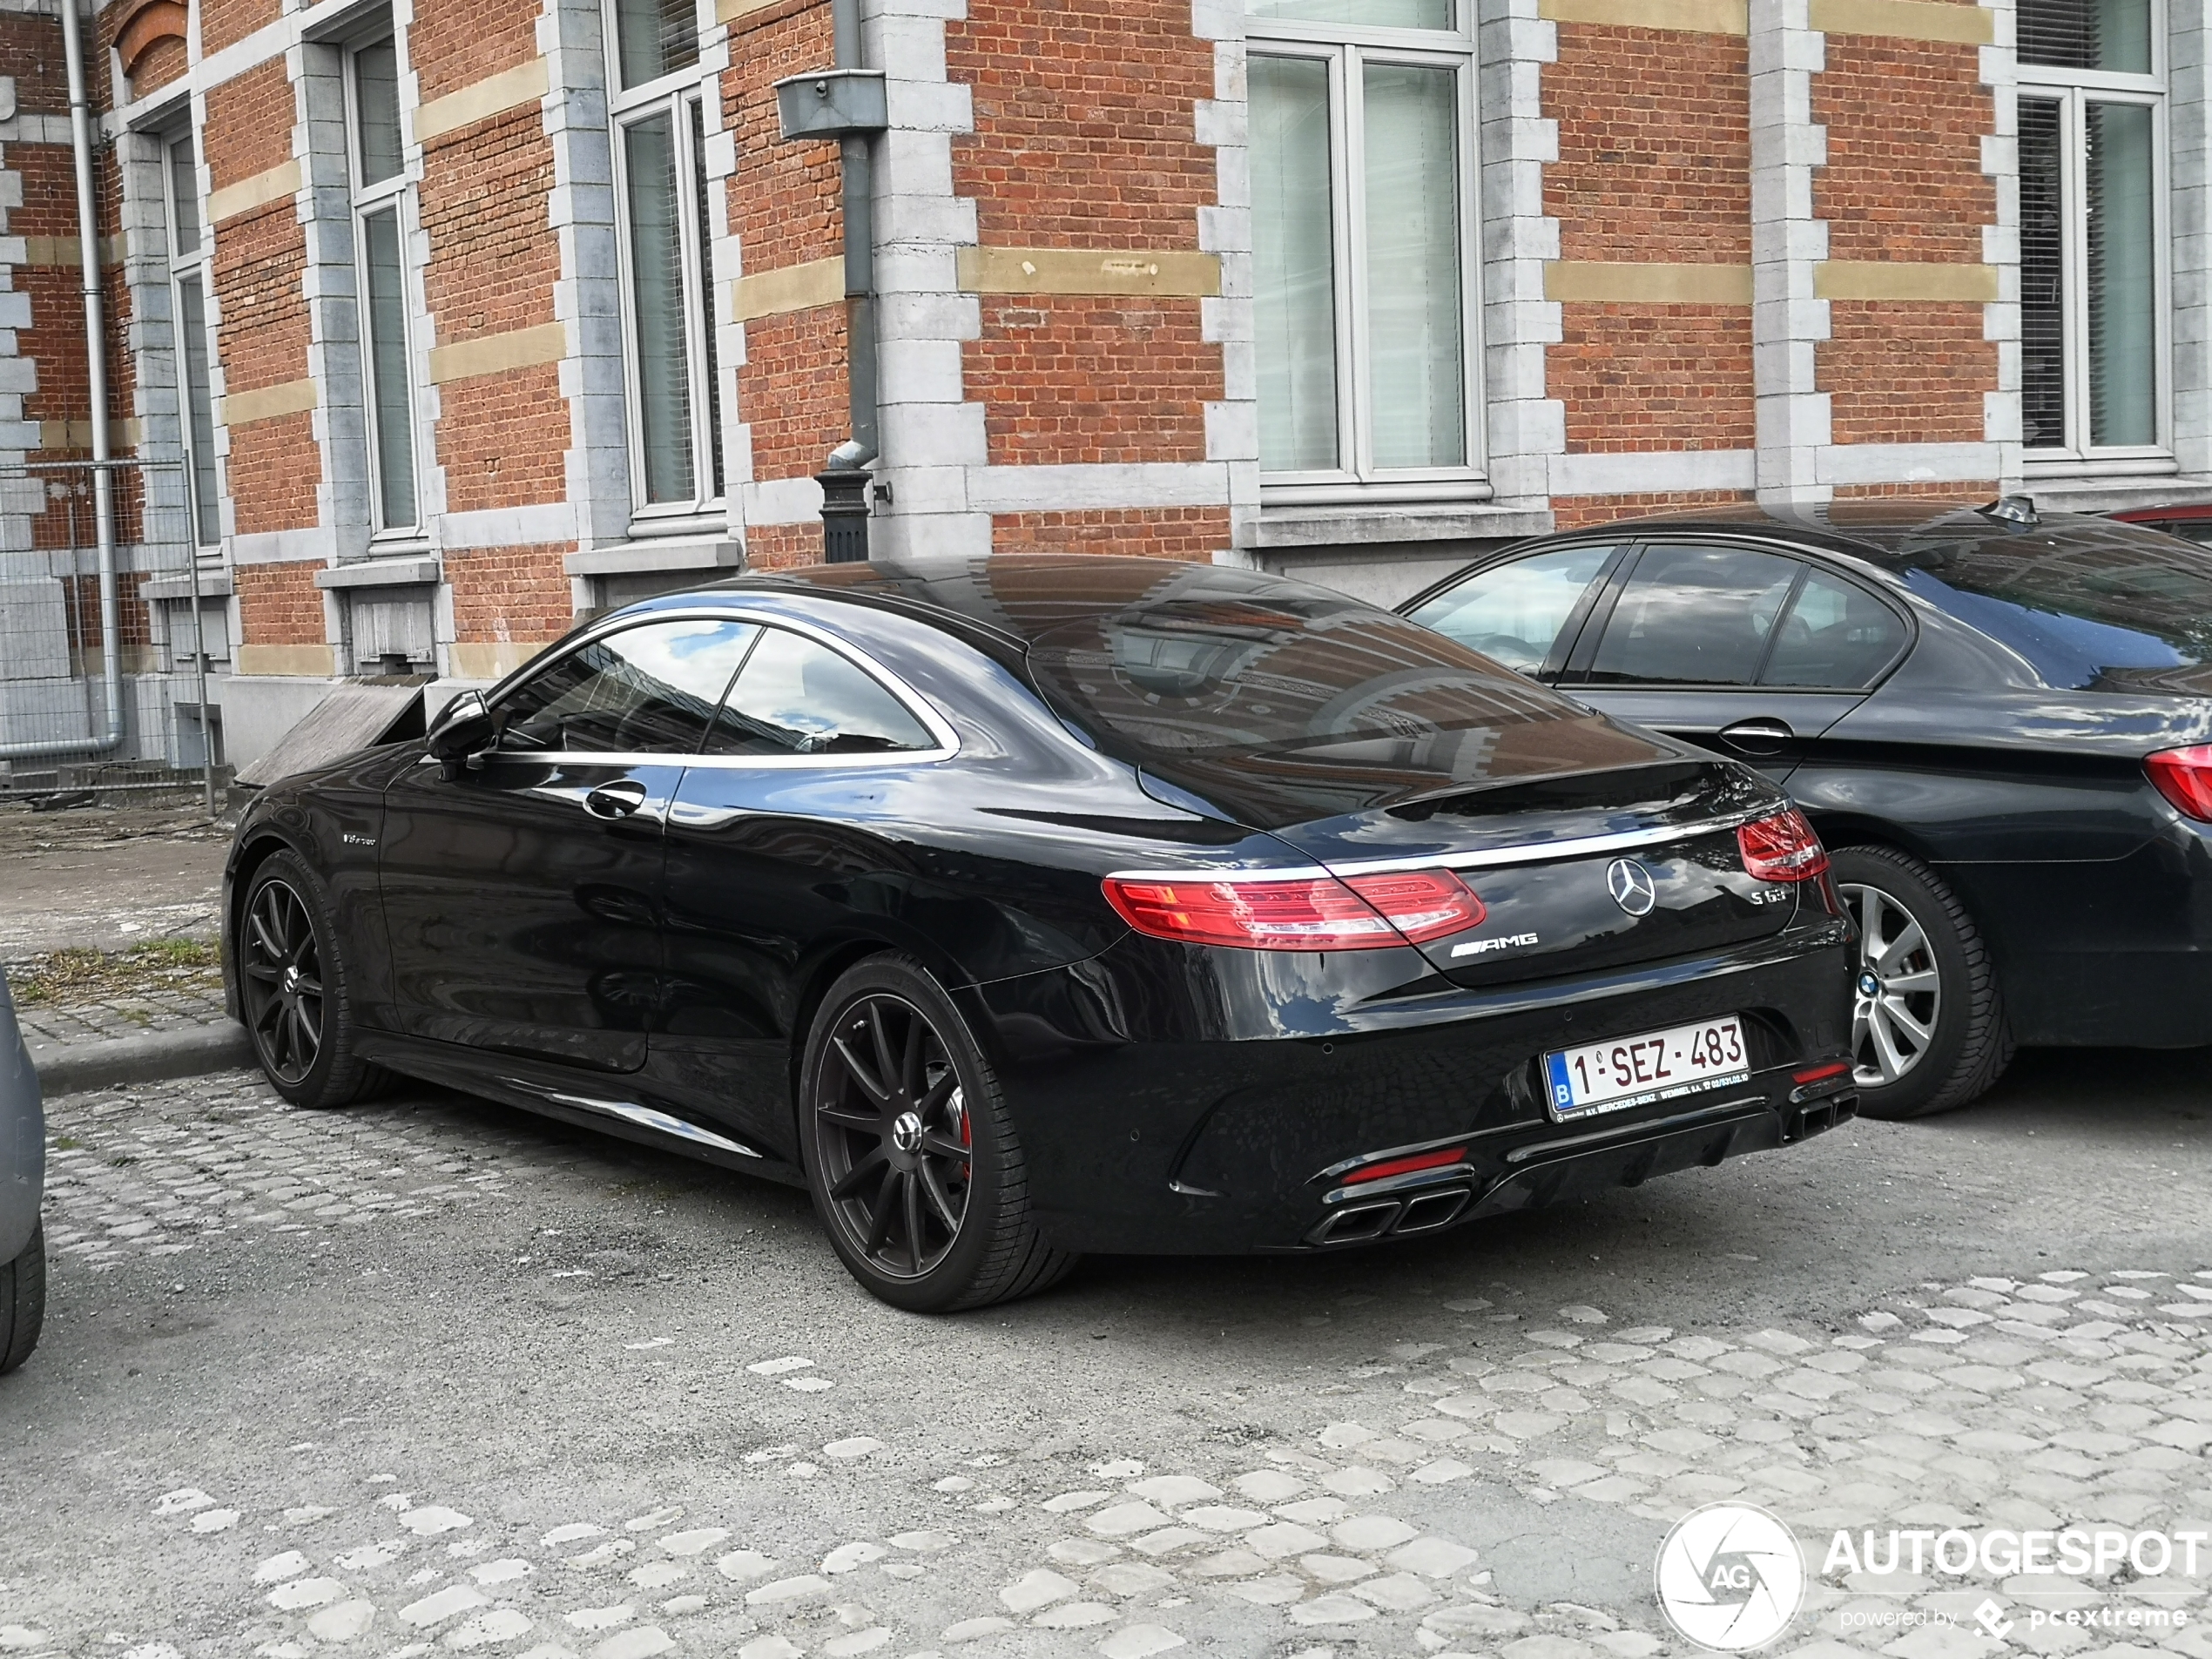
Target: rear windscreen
(1311,691)
(2087,602)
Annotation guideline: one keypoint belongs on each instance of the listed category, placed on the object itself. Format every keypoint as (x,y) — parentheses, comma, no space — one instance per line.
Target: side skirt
(583,1100)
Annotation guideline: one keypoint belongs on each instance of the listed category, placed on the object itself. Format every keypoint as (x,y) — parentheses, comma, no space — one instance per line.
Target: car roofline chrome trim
(1495,858)
(946,746)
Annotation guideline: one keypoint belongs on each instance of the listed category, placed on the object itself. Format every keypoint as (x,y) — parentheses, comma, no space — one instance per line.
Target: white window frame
(1346,48)
(2073,90)
(185,267)
(680,95)
(395,195)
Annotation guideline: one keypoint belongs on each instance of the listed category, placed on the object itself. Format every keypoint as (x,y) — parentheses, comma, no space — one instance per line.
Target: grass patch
(64,976)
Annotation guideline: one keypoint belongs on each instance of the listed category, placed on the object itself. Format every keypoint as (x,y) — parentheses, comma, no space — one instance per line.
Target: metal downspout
(858,173)
(846,483)
(88,229)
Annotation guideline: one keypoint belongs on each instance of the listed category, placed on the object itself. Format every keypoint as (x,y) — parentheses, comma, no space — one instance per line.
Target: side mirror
(465,729)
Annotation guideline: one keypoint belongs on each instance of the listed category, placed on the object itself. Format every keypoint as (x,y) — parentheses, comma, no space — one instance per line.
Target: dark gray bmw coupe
(1998,720)
(1036,906)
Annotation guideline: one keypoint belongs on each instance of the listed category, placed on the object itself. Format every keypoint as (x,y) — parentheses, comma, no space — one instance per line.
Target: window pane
(1374,14)
(392,410)
(656,37)
(2123,282)
(2086,34)
(1836,634)
(376,99)
(656,300)
(1415,309)
(650,690)
(184,197)
(797,697)
(1694,615)
(1512,614)
(707,219)
(1295,259)
(2042,275)
(199,408)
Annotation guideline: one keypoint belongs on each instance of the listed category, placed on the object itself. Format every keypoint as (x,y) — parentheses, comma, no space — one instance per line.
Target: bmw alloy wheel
(282,978)
(1899,996)
(892,1134)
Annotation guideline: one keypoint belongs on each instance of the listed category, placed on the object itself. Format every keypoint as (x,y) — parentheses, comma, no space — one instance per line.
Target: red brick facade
(1064,238)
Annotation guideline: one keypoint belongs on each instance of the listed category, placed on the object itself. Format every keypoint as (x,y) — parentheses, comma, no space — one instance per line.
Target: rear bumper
(1532,1174)
(1165,1113)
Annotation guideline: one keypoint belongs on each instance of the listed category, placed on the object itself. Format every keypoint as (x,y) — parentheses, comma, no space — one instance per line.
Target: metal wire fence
(107,642)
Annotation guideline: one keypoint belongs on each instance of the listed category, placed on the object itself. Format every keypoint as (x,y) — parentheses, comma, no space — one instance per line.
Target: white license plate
(1629,1072)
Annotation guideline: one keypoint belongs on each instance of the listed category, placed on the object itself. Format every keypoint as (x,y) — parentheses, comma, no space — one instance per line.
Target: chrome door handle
(613,801)
(1755,734)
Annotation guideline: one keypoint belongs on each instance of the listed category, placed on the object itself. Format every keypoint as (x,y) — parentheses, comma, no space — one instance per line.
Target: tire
(910,1151)
(296,992)
(23,1302)
(1929,1033)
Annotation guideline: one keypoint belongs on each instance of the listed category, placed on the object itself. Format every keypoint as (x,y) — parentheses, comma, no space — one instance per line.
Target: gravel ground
(427,1375)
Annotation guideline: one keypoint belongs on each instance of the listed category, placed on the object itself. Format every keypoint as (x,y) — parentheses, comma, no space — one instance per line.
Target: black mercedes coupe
(1998,720)
(1031,906)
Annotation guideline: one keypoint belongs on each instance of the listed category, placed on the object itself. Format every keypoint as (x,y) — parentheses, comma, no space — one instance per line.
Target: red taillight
(2184,776)
(1422,904)
(1361,913)
(1782,848)
(1821,1074)
(1407,1166)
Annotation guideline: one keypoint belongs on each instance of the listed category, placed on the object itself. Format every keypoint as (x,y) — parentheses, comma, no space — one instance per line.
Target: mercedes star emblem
(1632,887)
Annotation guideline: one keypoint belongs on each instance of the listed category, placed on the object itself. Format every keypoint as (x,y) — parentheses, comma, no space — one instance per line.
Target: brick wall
(1655,167)
(281,604)
(1086,137)
(1904,183)
(1158,532)
(1574,512)
(784,207)
(1654,377)
(224,22)
(1087,379)
(510,593)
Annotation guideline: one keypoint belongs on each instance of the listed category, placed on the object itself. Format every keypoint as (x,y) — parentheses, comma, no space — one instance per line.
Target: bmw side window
(649,689)
(1835,637)
(794,696)
(1516,613)
(1694,615)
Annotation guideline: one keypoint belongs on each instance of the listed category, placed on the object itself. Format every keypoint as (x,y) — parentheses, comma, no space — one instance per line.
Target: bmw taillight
(1323,913)
(1782,848)
(2184,776)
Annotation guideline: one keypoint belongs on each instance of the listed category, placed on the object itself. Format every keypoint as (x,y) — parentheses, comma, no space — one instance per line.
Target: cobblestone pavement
(178,999)
(428,1377)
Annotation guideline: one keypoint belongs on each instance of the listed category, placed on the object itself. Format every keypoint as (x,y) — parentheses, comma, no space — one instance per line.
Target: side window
(649,689)
(1694,615)
(1512,613)
(1835,635)
(797,698)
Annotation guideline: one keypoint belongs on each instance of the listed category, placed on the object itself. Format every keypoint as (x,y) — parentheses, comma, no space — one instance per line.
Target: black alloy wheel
(291,981)
(910,1152)
(891,1122)
(1929,1029)
(280,973)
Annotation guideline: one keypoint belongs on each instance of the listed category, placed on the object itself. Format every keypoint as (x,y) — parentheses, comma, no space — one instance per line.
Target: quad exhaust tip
(1363,1223)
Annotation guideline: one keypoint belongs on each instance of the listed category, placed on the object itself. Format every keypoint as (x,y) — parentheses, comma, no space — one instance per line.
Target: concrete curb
(70,1067)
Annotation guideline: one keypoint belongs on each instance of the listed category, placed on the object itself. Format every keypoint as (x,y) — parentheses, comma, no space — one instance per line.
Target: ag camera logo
(1730,1577)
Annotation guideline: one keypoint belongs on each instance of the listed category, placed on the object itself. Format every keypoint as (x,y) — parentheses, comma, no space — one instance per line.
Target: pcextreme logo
(1730,1577)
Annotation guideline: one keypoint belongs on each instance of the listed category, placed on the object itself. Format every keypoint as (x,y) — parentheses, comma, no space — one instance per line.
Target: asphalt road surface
(429,1376)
